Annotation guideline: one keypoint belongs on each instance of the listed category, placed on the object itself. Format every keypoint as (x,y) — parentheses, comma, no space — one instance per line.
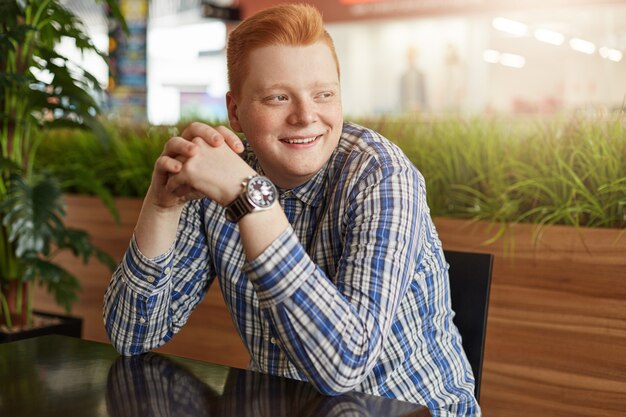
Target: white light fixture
(549,36)
(507,59)
(512,27)
(512,60)
(615,56)
(610,54)
(582,45)
(491,56)
(185,42)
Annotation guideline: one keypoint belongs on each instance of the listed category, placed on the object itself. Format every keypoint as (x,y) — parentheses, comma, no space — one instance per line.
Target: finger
(204,131)
(231,139)
(166,164)
(178,146)
(179,187)
(175,185)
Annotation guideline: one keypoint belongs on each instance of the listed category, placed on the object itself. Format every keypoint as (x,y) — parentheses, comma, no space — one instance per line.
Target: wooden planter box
(556,333)
(556,336)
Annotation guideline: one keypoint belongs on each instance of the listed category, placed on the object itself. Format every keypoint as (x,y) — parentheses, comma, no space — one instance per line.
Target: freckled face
(289,108)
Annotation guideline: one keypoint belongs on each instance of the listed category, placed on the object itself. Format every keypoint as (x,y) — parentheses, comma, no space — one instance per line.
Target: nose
(304,112)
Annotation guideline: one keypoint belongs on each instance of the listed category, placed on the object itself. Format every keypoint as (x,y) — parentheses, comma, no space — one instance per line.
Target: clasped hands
(202,161)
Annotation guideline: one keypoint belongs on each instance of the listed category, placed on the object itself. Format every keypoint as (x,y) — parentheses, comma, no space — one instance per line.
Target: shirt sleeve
(149,300)
(333,327)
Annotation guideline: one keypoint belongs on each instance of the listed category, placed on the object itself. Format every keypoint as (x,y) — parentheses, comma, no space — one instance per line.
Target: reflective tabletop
(69,377)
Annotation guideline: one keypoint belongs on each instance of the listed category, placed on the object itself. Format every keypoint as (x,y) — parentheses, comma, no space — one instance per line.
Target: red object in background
(360,1)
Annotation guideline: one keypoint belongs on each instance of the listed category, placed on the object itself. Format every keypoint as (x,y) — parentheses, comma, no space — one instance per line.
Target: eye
(277,98)
(325,95)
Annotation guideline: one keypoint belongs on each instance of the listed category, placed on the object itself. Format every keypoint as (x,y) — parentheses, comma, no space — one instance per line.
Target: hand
(212,171)
(213,136)
(175,152)
(160,213)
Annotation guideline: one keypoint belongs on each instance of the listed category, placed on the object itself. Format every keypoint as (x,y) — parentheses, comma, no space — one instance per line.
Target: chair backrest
(470,281)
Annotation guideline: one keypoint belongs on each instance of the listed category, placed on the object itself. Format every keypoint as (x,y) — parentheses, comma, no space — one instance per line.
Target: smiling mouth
(301,141)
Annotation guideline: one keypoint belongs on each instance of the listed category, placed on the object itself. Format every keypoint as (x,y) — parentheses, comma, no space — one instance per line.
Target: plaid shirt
(353,295)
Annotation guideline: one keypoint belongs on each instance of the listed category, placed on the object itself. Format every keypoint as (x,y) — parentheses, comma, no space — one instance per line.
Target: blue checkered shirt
(354,295)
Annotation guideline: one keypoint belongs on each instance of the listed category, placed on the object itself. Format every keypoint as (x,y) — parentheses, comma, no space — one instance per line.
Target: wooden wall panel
(556,336)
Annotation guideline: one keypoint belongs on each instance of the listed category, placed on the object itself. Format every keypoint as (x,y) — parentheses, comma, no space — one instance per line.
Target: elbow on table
(125,349)
(337,383)
(332,391)
(346,372)
(123,345)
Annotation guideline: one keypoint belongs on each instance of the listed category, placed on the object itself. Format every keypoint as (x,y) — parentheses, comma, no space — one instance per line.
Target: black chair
(470,281)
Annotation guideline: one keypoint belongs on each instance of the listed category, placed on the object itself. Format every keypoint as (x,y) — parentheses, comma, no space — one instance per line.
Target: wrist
(161,207)
(257,193)
(156,228)
(232,187)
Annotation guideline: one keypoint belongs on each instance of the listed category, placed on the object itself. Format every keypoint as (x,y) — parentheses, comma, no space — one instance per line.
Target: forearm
(258,230)
(155,231)
(335,344)
(141,311)
(333,338)
(137,303)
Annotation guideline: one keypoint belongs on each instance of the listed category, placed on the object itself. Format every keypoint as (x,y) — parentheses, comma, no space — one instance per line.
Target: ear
(231,105)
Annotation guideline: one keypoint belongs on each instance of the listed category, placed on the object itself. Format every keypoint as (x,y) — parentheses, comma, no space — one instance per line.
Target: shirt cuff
(280,270)
(144,275)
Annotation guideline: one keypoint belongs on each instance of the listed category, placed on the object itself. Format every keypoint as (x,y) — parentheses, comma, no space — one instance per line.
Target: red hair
(285,24)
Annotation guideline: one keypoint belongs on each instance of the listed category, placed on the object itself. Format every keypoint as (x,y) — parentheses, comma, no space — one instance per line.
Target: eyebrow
(281,86)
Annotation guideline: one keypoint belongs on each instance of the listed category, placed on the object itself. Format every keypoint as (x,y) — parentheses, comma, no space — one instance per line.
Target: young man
(326,255)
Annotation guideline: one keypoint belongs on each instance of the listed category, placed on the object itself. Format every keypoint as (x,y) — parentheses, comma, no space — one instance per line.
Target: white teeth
(300,141)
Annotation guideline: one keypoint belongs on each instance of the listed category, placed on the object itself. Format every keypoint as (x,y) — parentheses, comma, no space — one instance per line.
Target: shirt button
(150,279)
(273,340)
(142,320)
(167,270)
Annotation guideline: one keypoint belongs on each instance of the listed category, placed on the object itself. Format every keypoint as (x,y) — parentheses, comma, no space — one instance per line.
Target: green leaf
(33,212)
(58,281)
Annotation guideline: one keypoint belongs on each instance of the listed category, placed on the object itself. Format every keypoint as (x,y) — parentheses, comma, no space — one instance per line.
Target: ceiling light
(512,27)
(491,56)
(611,54)
(549,36)
(512,60)
(582,45)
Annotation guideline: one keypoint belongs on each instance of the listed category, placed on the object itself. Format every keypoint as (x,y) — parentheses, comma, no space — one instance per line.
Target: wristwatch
(259,193)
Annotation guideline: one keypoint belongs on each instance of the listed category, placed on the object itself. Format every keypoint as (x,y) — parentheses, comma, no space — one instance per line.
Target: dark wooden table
(69,377)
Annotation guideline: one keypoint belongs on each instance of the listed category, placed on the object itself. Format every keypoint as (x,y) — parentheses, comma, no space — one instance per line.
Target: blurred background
(397,56)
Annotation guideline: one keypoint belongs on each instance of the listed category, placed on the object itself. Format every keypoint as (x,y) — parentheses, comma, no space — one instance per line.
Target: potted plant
(32,229)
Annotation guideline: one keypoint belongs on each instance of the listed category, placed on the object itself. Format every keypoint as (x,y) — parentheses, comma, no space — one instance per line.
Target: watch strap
(238,208)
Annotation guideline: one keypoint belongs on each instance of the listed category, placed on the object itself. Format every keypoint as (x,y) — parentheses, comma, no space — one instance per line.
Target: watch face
(261,192)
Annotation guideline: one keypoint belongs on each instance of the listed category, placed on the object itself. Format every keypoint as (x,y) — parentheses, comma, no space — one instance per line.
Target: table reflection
(155,385)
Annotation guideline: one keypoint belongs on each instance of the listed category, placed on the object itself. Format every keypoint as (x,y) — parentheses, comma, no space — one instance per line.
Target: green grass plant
(569,171)
(120,167)
(562,170)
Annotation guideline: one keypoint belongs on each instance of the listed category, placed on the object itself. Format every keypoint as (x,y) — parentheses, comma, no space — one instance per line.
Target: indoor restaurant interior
(513,114)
